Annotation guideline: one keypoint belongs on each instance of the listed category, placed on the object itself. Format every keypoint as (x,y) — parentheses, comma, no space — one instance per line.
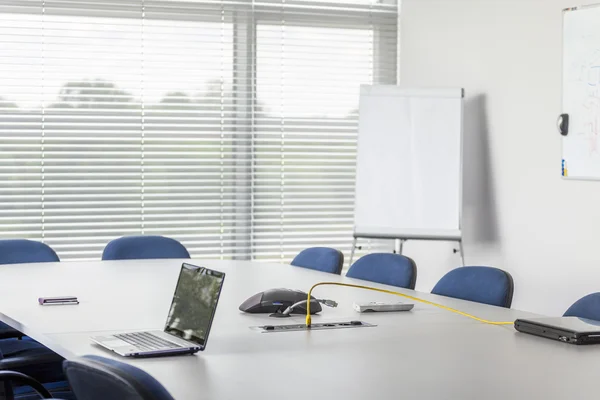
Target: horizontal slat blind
(92,121)
(189,166)
(307,86)
(20,133)
(229,125)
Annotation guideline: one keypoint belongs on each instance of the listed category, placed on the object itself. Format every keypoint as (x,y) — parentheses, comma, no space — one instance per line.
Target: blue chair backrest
(321,259)
(485,285)
(586,307)
(387,268)
(99,378)
(20,251)
(143,248)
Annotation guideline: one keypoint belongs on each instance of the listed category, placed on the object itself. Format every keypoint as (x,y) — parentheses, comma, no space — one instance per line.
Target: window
(230,126)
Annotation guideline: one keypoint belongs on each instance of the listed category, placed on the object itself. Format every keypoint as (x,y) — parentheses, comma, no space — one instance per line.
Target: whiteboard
(581,92)
(409,163)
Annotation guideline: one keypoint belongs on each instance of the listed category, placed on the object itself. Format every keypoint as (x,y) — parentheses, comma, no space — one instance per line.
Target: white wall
(519,214)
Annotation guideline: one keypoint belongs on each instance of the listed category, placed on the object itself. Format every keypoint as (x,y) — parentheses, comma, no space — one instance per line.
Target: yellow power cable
(431,303)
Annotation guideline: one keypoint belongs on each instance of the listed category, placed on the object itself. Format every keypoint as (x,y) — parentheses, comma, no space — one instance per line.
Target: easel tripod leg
(352,252)
(398,246)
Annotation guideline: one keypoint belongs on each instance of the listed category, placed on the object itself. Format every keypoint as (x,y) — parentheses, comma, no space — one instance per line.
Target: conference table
(426,353)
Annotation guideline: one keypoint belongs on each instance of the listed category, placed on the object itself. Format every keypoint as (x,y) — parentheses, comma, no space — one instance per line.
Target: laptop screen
(194,303)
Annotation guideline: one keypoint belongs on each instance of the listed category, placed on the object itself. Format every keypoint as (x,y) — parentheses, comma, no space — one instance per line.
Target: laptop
(188,323)
(572,330)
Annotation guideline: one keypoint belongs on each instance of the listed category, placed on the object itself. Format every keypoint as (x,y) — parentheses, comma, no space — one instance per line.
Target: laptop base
(556,333)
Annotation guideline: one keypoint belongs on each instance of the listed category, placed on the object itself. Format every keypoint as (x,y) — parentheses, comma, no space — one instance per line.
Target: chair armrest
(9,333)
(16,362)
(25,380)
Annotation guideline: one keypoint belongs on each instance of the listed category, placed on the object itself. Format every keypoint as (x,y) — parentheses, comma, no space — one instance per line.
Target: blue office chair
(21,251)
(322,259)
(27,356)
(99,378)
(19,386)
(485,285)
(586,307)
(32,359)
(33,389)
(143,248)
(387,268)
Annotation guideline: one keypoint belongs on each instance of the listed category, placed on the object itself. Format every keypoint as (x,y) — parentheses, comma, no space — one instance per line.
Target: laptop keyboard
(146,341)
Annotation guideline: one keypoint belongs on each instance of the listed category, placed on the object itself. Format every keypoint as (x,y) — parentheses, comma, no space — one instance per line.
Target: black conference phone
(276,301)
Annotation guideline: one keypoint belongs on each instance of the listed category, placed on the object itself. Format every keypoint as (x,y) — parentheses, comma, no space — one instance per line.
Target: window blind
(311,60)
(21,189)
(228,125)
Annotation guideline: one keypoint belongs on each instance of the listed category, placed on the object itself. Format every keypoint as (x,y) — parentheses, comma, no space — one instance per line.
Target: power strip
(314,327)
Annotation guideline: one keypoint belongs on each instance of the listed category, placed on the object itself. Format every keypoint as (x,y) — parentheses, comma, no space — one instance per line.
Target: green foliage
(94,94)
(7,104)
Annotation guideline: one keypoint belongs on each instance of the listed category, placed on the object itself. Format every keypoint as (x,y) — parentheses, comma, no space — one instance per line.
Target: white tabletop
(427,353)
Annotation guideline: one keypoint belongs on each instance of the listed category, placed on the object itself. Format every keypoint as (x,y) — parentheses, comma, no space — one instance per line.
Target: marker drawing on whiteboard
(565,170)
